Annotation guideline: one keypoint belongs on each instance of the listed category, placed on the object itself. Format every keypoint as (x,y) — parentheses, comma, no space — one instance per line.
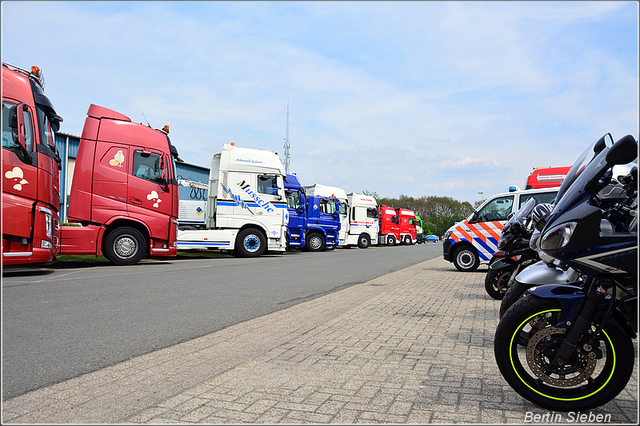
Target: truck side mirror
(16,123)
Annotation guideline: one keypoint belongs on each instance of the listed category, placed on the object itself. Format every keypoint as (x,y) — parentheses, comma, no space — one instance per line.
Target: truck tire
(364,241)
(391,240)
(315,242)
(407,240)
(250,243)
(466,259)
(124,246)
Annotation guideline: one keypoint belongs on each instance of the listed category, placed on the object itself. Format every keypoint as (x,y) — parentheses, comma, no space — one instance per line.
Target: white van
(474,241)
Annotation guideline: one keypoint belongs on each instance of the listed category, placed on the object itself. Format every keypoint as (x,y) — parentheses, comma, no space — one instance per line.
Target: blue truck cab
(314,222)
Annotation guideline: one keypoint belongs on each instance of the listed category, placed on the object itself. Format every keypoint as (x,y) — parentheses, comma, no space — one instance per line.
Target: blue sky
(411,98)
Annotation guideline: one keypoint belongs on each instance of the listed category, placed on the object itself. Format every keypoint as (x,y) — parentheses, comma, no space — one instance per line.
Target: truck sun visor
(43,102)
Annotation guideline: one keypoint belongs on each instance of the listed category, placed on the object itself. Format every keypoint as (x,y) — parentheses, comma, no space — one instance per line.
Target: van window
(543,197)
(496,210)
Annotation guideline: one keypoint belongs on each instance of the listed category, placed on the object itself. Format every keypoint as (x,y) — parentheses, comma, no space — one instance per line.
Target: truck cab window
(371,212)
(7,132)
(293,200)
(268,185)
(46,133)
(328,206)
(497,209)
(147,166)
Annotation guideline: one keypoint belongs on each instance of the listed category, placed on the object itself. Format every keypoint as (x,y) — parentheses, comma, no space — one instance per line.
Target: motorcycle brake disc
(541,350)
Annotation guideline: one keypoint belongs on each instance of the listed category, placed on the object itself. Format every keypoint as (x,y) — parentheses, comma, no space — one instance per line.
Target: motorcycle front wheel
(591,377)
(496,282)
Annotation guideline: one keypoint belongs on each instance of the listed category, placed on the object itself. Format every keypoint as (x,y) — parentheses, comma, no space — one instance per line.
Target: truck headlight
(46,244)
(48,221)
(558,236)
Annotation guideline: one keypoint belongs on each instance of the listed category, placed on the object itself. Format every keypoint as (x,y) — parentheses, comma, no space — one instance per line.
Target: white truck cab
(246,208)
(474,241)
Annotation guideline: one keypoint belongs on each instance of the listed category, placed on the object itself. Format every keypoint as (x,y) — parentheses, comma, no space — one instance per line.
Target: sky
(418,98)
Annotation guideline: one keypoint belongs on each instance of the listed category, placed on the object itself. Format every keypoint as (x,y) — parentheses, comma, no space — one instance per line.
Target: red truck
(30,169)
(407,221)
(548,177)
(389,233)
(124,194)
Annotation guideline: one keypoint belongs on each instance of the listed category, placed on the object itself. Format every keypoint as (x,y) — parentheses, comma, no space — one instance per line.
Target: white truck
(246,209)
(358,215)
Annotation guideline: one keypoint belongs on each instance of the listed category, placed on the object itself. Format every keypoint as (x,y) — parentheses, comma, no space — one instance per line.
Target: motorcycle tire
(496,282)
(588,380)
(513,293)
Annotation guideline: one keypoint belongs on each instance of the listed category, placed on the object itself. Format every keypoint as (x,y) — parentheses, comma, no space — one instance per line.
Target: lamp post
(480,192)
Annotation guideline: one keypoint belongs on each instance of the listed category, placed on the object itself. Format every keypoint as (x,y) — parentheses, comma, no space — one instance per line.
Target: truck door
(297,218)
(19,170)
(109,193)
(328,217)
(149,197)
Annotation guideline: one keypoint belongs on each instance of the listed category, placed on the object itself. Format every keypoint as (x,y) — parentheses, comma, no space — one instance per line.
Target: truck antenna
(145,119)
(287,155)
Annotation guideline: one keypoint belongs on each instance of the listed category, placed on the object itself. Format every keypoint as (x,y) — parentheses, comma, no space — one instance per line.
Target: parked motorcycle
(568,347)
(514,253)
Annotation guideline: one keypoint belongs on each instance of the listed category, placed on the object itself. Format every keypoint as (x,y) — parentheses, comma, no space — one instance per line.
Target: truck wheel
(407,240)
(391,240)
(124,246)
(364,241)
(465,259)
(315,242)
(250,243)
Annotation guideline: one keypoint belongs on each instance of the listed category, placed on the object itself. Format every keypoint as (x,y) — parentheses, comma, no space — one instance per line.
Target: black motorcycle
(514,253)
(568,347)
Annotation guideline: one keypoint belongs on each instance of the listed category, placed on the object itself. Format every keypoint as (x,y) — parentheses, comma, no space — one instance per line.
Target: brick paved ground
(414,346)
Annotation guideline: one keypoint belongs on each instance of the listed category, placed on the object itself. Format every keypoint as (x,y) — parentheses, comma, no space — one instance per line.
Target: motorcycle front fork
(595,295)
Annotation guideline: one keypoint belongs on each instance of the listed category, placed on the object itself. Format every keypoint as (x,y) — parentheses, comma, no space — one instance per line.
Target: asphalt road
(61,323)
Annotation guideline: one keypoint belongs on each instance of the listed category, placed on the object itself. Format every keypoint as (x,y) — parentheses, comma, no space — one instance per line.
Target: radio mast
(287,156)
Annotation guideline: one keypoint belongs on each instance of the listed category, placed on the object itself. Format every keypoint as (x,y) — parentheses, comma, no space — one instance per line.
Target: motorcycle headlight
(558,236)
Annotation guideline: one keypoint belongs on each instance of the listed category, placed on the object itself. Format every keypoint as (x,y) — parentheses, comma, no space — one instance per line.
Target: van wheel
(391,240)
(315,242)
(466,259)
(364,241)
(251,243)
(124,246)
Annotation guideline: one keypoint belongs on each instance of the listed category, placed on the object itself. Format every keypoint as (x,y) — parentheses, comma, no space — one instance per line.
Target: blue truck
(314,222)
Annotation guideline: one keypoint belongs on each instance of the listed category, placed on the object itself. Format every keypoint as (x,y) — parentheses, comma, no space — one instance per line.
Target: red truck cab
(389,233)
(30,169)
(407,221)
(124,193)
(549,177)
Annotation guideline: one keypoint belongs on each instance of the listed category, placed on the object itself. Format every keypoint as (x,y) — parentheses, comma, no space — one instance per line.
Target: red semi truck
(30,169)
(124,196)
(389,233)
(407,222)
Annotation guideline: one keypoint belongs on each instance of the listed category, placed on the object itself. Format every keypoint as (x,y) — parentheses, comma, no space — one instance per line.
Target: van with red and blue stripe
(474,241)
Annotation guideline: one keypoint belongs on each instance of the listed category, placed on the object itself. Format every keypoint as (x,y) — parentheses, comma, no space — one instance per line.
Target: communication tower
(287,156)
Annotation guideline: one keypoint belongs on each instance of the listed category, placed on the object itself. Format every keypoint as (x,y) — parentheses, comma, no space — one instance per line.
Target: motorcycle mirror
(602,143)
(623,151)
